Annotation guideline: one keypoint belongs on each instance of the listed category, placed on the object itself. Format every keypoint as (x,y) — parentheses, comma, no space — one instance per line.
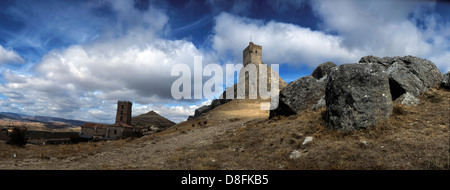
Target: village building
(121,129)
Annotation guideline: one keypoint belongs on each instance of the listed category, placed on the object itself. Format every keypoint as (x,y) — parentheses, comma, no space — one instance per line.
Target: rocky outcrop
(357,96)
(299,95)
(202,110)
(407,99)
(322,70)
(307,92)
(408,74)
(446,81)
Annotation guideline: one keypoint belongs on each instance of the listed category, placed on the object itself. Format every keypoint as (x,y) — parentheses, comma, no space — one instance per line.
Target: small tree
(18,136)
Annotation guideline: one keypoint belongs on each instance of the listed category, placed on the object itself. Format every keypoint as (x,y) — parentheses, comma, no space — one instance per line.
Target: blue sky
(75,59)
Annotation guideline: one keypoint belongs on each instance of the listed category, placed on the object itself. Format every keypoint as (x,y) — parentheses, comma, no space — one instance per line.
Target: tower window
(121,118)
(121,112)
(122,106)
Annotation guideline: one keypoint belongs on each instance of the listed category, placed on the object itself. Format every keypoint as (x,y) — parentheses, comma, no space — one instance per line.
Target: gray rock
(320,104)
(215,103)
(357,96)
(385,61)
(408,74)
(446,81)
(407,99)
(295,154)
(307,140)
(322,70)
(201,110)
(299,95)
(154,128)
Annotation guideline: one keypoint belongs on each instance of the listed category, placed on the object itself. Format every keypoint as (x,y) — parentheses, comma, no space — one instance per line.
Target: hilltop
(150,119)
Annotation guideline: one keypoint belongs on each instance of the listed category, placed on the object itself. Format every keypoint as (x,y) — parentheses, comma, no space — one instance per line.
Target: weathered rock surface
(322,70)
(408,74)
(446,81)
(299,95)
(307,140)
(407,99)
(295,154)
(201,110)
(357,96)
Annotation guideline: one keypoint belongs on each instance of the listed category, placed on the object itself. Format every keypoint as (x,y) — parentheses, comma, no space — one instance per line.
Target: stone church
(121,129)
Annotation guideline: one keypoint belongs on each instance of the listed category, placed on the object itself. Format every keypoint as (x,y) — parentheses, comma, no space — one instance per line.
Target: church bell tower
(123,114)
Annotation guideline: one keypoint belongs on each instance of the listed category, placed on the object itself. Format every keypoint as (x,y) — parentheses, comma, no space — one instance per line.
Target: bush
(18,136)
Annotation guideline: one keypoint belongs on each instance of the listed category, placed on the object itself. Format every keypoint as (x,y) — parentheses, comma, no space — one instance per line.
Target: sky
(76,58)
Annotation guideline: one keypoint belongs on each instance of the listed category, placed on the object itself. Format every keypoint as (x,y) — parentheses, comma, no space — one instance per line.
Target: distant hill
(151,119)
(42,119)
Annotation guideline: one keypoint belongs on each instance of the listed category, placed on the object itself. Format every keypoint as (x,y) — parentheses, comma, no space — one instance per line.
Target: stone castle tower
(123,114)
(252,54)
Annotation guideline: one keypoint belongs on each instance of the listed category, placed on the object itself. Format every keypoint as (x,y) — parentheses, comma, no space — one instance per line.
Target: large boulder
(307,92)
(322,70)
(357,96)
(408,74)
(446,81)
(299,95)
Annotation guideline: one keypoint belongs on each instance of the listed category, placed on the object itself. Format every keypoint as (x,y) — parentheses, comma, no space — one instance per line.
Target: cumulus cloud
(348,30)
(387,28)
(90,78)
(9,56)
(381,27)
(82,76)
(282,42)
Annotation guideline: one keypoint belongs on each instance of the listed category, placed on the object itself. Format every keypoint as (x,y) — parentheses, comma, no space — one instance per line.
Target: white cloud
(381,27)
(388,28)
(349,30)
(76,77)
(282,42)
(85,81)
(9,56)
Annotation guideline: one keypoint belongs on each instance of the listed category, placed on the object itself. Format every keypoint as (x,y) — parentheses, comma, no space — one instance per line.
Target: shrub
(18,136)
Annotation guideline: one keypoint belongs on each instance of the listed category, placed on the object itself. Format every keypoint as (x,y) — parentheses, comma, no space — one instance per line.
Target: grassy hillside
(238,135)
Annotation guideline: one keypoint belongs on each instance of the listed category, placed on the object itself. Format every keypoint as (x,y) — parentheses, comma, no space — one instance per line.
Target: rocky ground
(238,135)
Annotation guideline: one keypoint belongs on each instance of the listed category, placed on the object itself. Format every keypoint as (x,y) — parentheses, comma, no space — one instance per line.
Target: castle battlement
(252,54)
